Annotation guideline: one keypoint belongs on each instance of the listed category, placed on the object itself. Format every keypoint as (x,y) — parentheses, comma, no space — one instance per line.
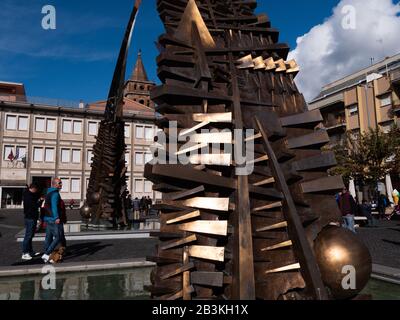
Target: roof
(130,106)
(139,72)
(358,77)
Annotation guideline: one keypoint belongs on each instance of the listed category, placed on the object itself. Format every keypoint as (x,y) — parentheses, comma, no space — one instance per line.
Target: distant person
(348,209)
(31,215)
(142,206)
(366,210)
(136,209)
(383,203)
(63,221)
(52,219)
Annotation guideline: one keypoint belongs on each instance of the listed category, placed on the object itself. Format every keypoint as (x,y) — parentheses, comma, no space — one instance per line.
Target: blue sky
(76,61)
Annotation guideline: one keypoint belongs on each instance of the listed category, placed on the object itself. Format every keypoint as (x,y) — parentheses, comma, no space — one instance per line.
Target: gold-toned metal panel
(219,228)
(187,216)
(207,252)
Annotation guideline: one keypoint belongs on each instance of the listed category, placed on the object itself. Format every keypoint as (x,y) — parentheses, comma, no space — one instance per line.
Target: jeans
(30,229)
(348,222)
(52,237)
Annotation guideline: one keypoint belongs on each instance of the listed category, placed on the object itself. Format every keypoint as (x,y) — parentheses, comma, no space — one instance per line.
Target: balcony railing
(41,101)
(334,123)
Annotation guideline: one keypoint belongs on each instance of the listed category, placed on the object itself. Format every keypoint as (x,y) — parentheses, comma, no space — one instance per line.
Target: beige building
(369,98)
(44,139)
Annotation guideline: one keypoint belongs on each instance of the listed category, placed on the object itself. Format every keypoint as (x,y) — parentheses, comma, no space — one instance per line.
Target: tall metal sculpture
(107,189)
(230,236)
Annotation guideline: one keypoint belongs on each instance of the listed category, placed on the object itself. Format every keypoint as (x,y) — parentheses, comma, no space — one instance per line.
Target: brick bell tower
(138,86)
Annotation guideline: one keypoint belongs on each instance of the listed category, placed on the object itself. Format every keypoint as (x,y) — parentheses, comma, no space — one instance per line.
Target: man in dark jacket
(52,218)
(366,210)
(31,215)
(347,206)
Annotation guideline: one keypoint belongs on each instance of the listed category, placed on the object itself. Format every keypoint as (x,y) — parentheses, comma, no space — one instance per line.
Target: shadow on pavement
(81,249)
(73,251)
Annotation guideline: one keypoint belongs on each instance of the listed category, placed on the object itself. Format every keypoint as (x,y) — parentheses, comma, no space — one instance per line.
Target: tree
(369,157)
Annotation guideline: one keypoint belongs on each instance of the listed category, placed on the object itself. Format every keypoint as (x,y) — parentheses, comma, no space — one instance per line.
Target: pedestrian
(52,206)
(142,207)
(383,203)
(366,210)
(63,221)
(31,215)
(347,207)
(136,209)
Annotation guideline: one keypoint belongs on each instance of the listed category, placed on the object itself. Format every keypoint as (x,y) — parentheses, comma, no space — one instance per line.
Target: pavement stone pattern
(383,242)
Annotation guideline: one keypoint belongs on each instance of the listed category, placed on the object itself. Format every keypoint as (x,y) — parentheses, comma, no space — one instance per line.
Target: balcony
(336,124)
(395,77)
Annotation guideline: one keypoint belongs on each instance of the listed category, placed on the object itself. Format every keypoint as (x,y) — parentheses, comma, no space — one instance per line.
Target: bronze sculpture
(224,235)
(107,190)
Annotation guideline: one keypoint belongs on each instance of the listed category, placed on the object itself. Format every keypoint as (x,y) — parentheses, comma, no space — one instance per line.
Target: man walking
(347,206)
(31,215)
(52,218)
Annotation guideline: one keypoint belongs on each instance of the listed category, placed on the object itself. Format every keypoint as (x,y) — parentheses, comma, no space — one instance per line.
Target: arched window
(141,101)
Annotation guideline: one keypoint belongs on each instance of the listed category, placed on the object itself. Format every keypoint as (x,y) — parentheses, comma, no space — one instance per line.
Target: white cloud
(329,52)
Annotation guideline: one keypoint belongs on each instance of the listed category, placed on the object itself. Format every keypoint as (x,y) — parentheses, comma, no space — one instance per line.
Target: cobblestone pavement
(11,222)
(383,242)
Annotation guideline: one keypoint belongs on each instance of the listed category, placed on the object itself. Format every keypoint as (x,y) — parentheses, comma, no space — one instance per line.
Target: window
(386,100)
(149,133)
(67,126)
(76,156)
(139,132)
(148,157)
(11,122)
(40,124)
(23,123)
(49,155)
(89,156)
(138,185)
(77,127)
(38,154)
(92,128)
(139,158)
(75,185)
(353,109)
(65,186)
(21,153)
(51,125)
(65,155)
(148,186)
(127,131)
(7,152)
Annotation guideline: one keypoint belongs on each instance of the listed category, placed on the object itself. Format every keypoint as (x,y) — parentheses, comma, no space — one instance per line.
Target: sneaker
(35,254)
(45,258)
(26,257)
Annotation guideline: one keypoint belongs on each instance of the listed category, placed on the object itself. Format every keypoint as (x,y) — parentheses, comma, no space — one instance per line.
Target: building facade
(369,98)
(40,141)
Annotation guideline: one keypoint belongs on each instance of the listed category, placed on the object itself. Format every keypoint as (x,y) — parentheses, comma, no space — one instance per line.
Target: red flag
(11,156)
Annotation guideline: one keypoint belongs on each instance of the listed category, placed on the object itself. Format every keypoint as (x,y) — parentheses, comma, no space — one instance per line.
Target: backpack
(47,205)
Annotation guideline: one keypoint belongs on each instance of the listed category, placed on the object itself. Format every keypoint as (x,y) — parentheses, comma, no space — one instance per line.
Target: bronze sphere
(85,212)
(337,250)
(93,198)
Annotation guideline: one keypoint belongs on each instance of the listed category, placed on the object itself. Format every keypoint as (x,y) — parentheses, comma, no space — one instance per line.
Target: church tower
(138,86)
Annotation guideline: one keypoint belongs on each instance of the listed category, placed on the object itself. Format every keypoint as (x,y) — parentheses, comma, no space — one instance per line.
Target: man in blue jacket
(52,218)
